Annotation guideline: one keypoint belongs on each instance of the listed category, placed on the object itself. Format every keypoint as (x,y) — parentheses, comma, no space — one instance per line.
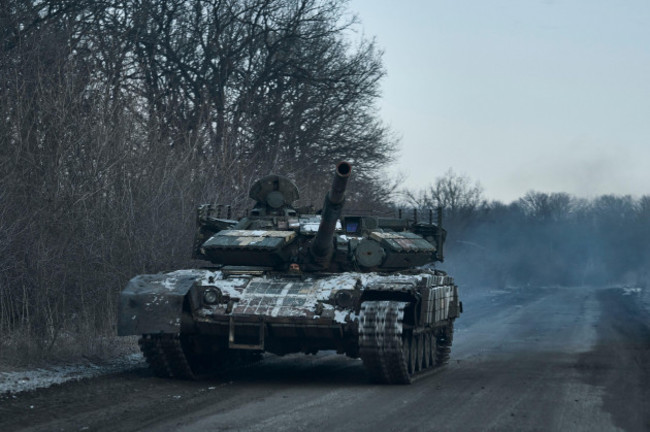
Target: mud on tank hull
(199,321)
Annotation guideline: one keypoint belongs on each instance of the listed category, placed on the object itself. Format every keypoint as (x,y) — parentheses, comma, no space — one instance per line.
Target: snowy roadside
(641,294)
(634,290)
(644,294)
(20,381)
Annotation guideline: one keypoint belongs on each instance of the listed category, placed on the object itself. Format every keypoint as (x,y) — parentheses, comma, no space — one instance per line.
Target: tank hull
(264,312)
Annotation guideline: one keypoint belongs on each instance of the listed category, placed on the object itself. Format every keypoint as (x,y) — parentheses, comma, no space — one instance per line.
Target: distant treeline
(541,238)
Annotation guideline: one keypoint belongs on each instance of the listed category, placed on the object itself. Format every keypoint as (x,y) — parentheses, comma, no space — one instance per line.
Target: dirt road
(535,360)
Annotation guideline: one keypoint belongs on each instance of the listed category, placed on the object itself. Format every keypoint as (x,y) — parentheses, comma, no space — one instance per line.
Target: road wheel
(427,350)
(412,354)
(419,352)
(444,338)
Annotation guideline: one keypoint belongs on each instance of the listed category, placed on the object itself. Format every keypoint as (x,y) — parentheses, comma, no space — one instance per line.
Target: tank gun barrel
(322,245)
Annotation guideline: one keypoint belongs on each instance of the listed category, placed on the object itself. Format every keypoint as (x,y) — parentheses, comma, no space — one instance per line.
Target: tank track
(168,358)
(444,339)
(164,354)
(393,355)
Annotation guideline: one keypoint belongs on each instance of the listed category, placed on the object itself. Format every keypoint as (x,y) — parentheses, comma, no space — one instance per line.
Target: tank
(286,280)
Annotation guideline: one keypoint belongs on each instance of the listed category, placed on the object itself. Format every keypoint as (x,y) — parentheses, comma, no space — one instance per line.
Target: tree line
(118,117)
(541,238)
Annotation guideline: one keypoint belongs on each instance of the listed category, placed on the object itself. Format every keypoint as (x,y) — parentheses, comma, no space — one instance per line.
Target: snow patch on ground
(629,291)
(644,295)
(640,293)
(16,382)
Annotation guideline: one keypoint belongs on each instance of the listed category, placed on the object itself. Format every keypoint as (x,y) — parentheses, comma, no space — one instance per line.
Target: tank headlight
(212,296)
(344,299)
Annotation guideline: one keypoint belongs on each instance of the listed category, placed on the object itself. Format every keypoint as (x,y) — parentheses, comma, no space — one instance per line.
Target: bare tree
(546,207)
(272,84)
(460,199)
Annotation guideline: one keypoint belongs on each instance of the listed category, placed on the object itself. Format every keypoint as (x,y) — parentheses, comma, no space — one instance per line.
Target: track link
(169,357)
(393,355)
(444,338)
(165,355)
(380,340)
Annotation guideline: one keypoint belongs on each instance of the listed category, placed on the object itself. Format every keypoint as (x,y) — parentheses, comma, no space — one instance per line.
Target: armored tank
(285,280)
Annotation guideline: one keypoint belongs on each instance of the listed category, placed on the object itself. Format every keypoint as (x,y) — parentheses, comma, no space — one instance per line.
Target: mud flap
(256,344)
(154,303)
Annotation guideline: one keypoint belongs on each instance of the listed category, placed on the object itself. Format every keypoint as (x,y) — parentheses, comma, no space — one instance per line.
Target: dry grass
(19,351)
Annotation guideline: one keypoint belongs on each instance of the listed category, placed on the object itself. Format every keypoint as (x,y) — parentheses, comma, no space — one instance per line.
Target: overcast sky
(552,96)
